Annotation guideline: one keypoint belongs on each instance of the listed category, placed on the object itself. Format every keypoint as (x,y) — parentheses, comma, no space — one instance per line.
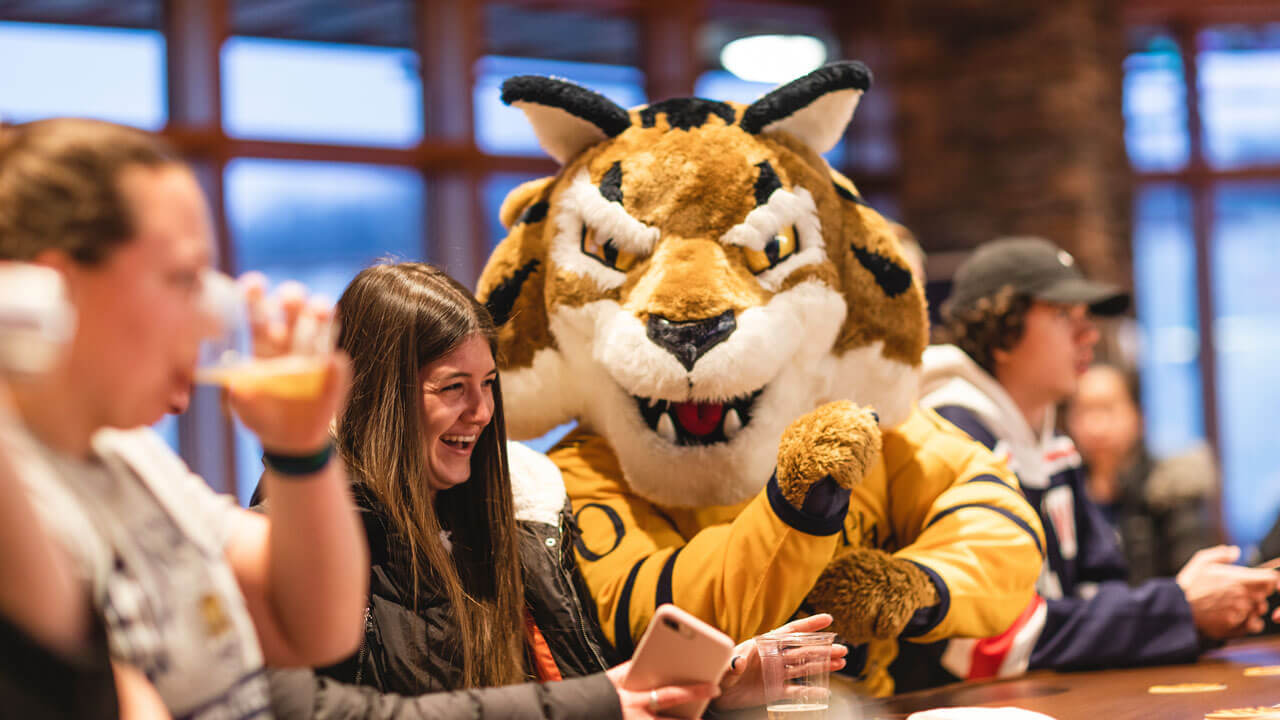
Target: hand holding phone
(679,649)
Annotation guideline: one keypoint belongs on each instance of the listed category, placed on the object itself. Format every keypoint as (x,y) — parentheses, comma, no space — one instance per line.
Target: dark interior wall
(1009,121)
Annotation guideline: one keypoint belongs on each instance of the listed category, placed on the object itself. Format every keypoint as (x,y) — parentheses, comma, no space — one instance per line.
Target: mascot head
(696,277)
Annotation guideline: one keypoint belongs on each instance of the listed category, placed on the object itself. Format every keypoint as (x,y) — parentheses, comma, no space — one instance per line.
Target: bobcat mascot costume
(737,336)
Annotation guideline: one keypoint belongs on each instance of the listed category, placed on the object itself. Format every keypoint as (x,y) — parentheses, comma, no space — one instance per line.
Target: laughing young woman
(473,580)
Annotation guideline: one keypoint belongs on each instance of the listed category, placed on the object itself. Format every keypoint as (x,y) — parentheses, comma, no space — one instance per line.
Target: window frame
(449,38)
(1185,19)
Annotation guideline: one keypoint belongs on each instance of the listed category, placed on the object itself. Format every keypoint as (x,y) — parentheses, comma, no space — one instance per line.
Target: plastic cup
(796,674)
(226,355)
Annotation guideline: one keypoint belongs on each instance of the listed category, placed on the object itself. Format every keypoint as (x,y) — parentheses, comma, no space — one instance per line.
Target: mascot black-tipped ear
(567,118)
(815,108)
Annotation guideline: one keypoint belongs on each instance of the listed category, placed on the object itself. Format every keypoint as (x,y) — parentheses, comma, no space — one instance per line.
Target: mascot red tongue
(696,262)
(699,418)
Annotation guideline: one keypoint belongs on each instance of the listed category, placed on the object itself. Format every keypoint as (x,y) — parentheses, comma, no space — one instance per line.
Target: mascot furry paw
(871,594)
(693,288)
(836,442)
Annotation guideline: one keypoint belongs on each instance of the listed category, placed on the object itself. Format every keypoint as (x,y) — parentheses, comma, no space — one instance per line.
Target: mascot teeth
(666,428)
(732,423)
(697,423)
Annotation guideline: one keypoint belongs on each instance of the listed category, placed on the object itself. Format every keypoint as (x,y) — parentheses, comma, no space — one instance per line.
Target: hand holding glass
(796,668)
(279,345)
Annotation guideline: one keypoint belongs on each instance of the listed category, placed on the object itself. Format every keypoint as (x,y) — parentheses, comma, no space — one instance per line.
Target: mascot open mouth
(697,423)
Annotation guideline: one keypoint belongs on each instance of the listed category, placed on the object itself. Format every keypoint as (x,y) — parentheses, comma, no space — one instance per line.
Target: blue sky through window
(1240,94)
(320,224)
(1155,108)
(1246,342)
(1164,269)
(321,92)
(106,73)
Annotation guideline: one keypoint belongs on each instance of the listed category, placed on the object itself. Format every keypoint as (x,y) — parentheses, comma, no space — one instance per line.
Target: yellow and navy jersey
(935,498)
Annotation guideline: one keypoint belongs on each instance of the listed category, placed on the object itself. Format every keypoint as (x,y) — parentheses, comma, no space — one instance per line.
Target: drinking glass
(796,679)
(227,356)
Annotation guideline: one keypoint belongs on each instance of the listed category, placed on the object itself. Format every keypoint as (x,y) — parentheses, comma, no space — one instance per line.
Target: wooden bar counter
(1114,694)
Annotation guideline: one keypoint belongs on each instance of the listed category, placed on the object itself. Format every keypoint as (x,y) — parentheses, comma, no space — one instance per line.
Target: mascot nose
(690,340)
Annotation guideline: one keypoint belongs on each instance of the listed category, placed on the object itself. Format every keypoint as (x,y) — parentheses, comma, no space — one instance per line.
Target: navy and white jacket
(1086,614)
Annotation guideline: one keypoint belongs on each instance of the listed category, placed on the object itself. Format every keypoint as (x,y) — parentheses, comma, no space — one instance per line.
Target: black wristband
(294,466)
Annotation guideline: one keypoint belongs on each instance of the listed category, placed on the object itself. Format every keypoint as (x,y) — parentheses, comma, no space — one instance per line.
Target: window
(1164,266)
(1246,297)
(1155,107)
(322,135)
(1240,94)
(320,224)
(321,92)
(114,74)
(1192,210)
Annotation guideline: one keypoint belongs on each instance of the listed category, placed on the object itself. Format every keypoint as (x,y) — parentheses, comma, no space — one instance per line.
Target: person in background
(1160,509)
(474,583)
(197,594)
(1021,317)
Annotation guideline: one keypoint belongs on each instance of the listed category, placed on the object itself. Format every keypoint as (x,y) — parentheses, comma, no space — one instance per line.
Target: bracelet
(294,466)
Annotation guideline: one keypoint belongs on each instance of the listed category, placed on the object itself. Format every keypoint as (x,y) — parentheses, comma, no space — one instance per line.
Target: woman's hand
(647,704)
(743,684)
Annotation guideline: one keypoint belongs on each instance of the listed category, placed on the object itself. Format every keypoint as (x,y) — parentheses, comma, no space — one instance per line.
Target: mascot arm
(964,520)
(746,571)
(745,576)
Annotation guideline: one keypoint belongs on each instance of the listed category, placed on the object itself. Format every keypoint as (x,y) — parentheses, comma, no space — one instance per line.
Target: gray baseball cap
(1033,266)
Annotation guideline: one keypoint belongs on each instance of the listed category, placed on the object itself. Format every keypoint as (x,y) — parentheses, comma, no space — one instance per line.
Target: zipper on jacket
(577,601)
(364,643)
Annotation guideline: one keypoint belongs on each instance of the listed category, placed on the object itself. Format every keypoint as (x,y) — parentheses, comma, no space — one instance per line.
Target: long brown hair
(395,320)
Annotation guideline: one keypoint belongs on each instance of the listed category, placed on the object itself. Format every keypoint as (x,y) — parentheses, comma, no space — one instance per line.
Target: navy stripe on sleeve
(664,592)
(622,615)
(989,478)
(927,618)
(1008,514)
(964,419)
(830,523)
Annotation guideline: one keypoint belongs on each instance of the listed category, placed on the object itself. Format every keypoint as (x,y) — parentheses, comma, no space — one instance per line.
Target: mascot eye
(779,248)
(607,252)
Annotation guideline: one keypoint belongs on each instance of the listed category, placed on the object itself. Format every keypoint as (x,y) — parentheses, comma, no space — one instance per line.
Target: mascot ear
(815,108)
(567,118)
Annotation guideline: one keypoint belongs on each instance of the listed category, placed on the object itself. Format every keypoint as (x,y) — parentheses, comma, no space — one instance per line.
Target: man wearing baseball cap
(1020,318)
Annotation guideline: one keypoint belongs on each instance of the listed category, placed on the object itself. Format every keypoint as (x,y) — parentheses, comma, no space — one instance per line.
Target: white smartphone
(679,649)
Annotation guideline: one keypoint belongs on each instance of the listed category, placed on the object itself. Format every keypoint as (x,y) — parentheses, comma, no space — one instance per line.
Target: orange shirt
(543,662)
